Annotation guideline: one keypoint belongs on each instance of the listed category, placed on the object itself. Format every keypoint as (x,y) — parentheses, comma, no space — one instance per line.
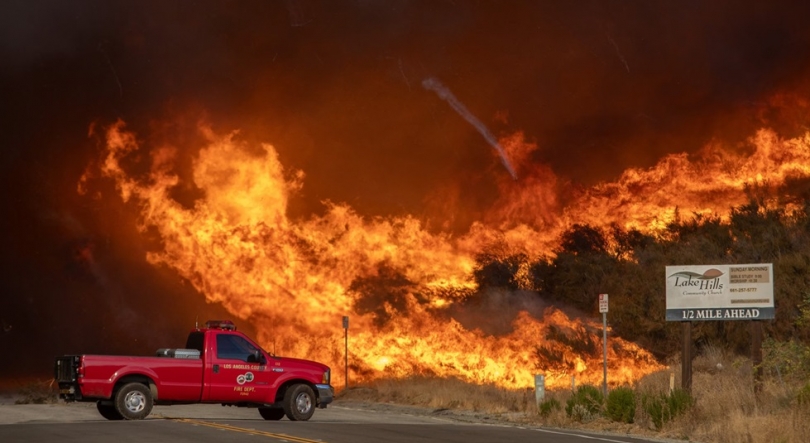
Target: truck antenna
(196,322)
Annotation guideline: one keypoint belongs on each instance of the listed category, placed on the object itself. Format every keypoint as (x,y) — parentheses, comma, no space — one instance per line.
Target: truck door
(236,375)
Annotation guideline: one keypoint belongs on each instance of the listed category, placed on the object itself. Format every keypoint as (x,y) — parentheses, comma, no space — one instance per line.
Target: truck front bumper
(325,395)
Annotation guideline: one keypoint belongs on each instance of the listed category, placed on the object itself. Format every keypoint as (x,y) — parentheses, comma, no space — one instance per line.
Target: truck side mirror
(257,357)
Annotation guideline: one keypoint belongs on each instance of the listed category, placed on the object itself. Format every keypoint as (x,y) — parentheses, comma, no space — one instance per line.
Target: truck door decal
(244,378)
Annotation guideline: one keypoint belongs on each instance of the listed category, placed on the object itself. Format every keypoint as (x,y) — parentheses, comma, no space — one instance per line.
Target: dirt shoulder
(7,398)
(598,427)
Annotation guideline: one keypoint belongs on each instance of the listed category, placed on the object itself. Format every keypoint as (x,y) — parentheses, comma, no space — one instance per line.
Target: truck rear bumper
(325,395)
(70,392)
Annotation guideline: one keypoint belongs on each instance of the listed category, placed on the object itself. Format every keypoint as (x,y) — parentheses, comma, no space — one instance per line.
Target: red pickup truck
(218,365)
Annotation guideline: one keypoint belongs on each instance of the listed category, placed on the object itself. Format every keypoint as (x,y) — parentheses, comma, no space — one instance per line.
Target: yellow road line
(245,430)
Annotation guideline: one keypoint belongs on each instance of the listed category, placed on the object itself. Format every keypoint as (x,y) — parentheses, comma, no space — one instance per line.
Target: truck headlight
(326,377)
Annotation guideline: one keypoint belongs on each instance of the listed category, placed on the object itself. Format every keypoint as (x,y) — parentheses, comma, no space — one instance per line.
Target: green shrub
(621,405)
(585,404)
(548,405)
(803,397)
(655,407)
(679,401)
(664,407)
(787,360)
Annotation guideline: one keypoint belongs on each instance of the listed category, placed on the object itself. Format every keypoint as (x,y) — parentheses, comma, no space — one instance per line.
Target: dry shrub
(37,392)
(658,381)
(712,359)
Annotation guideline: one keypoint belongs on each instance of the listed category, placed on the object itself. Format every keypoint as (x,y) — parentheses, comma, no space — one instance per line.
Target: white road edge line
(582,435)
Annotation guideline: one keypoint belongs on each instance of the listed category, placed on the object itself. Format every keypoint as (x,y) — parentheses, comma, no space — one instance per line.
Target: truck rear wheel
(134,401)
(271,413)
(299,402)
(108,411)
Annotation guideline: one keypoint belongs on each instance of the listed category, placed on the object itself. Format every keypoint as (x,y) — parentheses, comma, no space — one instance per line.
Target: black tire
(299,402)
(108,411)
(271,413)
(134,401)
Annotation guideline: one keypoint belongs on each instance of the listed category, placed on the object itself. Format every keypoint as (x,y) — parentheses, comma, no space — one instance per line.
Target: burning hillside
(404,286)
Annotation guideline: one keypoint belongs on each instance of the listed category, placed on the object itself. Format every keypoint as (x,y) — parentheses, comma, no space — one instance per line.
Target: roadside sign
(603,303)
(720,292)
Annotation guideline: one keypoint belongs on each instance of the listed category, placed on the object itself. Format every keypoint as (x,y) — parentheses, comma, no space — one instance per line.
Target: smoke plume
(446,95)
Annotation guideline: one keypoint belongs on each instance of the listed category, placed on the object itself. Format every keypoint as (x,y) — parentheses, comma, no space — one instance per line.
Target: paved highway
(80,422)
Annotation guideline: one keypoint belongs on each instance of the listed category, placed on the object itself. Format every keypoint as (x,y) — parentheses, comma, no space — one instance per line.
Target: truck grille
(65,370)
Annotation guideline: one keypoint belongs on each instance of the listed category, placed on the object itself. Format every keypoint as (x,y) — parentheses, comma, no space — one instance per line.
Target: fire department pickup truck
(218,365)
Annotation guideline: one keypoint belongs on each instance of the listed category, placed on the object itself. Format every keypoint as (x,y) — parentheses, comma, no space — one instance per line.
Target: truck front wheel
(299,402)
(134,401)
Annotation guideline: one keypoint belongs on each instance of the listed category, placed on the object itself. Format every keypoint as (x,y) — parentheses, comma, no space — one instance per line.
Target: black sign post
(686,357)
(756,354)
(346,349)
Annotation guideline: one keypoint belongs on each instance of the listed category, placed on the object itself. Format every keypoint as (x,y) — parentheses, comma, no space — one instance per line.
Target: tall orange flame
(293,279)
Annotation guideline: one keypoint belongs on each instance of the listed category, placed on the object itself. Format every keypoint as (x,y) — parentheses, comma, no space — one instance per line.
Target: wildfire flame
(294,280)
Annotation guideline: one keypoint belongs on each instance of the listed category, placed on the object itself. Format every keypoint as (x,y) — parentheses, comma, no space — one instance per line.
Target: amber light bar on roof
(220,324)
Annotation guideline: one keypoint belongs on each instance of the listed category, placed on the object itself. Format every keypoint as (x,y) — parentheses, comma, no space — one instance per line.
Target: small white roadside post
(539,388)
(603,308)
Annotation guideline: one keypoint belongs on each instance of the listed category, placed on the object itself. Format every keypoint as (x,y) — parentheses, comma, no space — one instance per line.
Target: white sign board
(603,303)
(720,292)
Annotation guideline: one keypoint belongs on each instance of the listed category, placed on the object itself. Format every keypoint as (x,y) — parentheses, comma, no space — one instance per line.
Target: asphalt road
(80,422)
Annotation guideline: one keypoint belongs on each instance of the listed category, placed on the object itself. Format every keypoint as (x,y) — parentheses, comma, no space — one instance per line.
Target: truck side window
(195,341)
(234,347)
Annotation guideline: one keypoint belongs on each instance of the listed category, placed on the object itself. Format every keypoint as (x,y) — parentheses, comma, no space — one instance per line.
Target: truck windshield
(234,347)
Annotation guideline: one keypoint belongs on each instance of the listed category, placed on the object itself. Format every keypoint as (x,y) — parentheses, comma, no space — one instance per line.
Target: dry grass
(35,392)
(726,408)
(448,393)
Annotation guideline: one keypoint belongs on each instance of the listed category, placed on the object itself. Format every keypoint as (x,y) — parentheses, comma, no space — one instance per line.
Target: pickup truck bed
(178,379)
